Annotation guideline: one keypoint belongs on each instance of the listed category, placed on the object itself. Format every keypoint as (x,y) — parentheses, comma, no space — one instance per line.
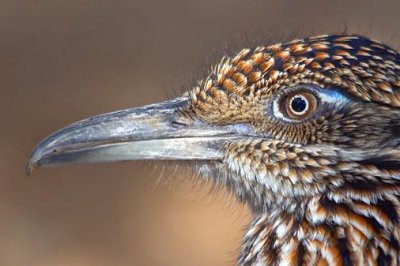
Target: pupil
(298,104)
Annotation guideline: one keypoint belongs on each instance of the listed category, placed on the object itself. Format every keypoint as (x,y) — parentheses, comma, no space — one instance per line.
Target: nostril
(178,124)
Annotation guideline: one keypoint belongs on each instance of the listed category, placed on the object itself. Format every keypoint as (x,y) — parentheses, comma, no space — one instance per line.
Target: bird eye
(299,105)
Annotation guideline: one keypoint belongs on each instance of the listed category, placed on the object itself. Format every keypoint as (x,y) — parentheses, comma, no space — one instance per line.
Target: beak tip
(31,165)
(33,162)
(29,168)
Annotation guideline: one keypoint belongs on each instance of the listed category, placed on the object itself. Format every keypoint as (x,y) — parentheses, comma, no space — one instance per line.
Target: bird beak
(154,132)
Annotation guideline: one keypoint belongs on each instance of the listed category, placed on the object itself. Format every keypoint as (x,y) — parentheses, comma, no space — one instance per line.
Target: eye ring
(298,105)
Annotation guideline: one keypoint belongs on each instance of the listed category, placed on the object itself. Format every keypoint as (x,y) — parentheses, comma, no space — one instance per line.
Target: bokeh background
(62,61)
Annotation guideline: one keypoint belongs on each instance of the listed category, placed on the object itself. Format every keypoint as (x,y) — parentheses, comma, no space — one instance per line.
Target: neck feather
(347,227)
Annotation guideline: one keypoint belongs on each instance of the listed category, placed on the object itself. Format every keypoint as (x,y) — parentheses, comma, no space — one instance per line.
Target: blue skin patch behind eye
(330,96)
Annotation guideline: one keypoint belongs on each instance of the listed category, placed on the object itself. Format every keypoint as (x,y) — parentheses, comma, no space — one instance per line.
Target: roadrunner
(307,133)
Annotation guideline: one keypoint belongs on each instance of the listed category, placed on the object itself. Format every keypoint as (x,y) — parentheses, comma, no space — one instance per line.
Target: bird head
(275,124)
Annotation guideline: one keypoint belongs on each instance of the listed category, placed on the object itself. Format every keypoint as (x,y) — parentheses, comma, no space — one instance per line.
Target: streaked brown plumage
(323,182)
(333,179)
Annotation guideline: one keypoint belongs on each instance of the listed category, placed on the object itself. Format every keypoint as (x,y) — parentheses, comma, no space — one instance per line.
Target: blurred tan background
(61,61)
